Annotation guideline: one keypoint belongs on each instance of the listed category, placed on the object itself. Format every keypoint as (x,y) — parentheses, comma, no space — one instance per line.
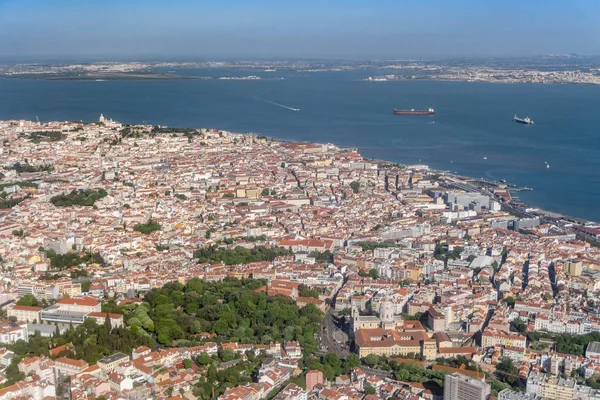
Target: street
(333,339)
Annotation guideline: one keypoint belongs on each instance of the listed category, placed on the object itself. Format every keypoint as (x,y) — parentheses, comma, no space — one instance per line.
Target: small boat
(526,120)
(547,165)
(485,157)
(412,111)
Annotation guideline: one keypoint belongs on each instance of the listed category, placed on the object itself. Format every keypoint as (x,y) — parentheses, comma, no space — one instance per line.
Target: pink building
(313,378)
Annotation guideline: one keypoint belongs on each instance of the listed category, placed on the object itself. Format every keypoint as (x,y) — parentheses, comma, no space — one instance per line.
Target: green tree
(204,359)
(78,197)
(518,325)
(351,361)
(508,371)
(333,360)
(510,301)
(27,300)
(372,360)
(373,273)
(148,227)
(227,355)
(355,186)
(305,291)
(594,382)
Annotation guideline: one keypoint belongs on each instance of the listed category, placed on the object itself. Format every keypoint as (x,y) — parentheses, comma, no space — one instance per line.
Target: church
(386,319)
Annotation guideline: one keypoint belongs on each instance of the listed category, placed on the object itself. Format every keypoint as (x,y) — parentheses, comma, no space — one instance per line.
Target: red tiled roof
(84,301)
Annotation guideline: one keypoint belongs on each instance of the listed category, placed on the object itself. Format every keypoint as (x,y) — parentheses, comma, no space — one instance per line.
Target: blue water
(473,120)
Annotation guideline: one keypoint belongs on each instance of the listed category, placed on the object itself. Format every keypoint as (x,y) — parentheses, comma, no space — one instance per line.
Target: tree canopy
(370,246)
(78,198)
(72,259)
(239,255)
(27,300)
(566,343)
(10,203)
(148,227)
(233,310)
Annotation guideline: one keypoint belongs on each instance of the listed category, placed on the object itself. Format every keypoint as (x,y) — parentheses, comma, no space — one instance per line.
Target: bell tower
(386,314)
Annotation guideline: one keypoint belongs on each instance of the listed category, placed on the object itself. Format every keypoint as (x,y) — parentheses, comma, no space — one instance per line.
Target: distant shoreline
(172,77)
(496,82)
(130,77)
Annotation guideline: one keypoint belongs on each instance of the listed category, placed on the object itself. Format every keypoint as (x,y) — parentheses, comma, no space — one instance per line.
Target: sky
(187,29)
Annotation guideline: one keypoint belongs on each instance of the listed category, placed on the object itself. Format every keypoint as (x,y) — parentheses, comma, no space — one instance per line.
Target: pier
(518,189)
(490,182)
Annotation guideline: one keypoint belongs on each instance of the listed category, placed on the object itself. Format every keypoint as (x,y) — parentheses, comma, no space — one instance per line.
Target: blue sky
(296,28)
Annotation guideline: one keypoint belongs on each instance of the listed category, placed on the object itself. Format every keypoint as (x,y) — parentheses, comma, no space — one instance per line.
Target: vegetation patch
(370,246)
(239,255)
(78,198)
(10,203)
(148,227)
(28,168)
(45,136)
(72,259)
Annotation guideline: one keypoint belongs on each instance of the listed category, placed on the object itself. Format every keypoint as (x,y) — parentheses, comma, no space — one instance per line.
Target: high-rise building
(462,387)
(313,378)
(574,268)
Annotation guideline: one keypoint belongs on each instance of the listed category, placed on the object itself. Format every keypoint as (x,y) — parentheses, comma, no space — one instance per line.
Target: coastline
(172,77)
(534,210)
(432,79)
(464,130)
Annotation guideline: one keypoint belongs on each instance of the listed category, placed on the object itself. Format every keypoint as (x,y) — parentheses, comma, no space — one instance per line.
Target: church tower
(355,316)
(386,314)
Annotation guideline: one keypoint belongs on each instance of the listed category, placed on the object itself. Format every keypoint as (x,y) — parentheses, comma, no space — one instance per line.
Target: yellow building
(388,342)
(253,193)
(493,337)
(550,387)
(109,363)
(558,389)
(574,268)
(25,313)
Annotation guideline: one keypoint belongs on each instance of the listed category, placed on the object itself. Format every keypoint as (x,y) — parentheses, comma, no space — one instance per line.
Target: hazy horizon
(266,29)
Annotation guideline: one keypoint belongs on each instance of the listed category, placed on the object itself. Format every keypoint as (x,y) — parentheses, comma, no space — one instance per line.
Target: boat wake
(257,98)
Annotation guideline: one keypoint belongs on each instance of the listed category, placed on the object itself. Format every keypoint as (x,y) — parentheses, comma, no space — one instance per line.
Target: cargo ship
(526,120)
(412,111)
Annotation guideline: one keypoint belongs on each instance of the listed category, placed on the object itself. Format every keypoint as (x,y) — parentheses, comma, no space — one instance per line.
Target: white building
(10,332)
